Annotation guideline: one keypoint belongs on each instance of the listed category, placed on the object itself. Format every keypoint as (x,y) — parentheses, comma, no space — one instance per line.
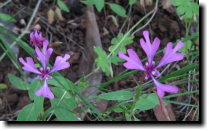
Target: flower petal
(61,63)
(29,65)
(162,88)
(171,55)
(41,56)
(45,91)
(36,38)
(133,61)
(149,49)
(45,54)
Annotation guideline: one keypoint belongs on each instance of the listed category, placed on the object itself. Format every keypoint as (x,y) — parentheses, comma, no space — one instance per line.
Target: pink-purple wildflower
(45,71)
(36,38)
(150,69)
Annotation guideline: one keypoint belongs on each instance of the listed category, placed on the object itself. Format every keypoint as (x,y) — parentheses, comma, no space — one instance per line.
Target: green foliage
(58,92)
(119,43)
(119,10)
(116,95)
(9,52)
(188,46)
(32,111)
(64,115)
(6,17)
(181,71)
(34,86)
(115,60)
(68,103)
(102,61)
(60,81)
(62,104)
(131,2)
(147,101)
(186,8)
(98,3)
(17,82)
(63,6)
(3,86)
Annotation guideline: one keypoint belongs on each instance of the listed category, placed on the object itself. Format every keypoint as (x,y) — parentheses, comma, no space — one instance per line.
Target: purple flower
(170,55)
(36,38)
(45,71)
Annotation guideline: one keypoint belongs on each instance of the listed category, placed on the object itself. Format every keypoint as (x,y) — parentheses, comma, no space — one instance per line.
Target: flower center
(45,73)
(150,70)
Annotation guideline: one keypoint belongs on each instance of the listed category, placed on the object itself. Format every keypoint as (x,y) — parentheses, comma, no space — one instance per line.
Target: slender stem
(5,3)
(133,27)
(57,104)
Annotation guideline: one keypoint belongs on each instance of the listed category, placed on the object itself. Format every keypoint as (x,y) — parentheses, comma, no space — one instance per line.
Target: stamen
(146,63)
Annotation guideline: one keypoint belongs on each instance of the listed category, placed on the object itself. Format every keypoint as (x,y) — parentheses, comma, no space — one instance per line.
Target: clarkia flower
(150,69)
(45,71)
(36,38)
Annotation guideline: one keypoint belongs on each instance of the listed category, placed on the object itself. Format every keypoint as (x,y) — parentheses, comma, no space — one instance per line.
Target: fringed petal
(29,65)
(149,49)
(162,88)
(45,91)
(61,63)
(133,61)
(171,54)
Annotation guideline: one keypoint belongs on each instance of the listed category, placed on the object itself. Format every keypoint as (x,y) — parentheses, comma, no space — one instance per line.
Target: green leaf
(31,111)
(187,47)
(58,92)
(119,43)
(131,2)
(147,101)
(116,95)
(3,86)
(99,4)
(62,6)
(115,60)
(102,61)
(27,113)
(88,2)
(9,52)
(186,8)
(180,103)
(60,81)
(68,103)
(6,17)
(117,9)
(64,115)
(17,82)
(183,70)
(35,85)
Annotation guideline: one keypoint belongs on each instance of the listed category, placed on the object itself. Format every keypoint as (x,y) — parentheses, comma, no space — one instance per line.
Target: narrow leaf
(63,6)
(6,17)
(17,82)
(118,9)
(116,95)
(147,101)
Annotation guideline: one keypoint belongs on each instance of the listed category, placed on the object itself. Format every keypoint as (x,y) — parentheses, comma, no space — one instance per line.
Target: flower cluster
(43,54)
(150,69)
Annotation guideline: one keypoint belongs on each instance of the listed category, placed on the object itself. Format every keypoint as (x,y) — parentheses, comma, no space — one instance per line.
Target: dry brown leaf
(58,13)
(160,115)
(51,15)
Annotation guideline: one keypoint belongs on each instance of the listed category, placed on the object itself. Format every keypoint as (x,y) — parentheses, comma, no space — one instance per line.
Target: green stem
(137,97)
